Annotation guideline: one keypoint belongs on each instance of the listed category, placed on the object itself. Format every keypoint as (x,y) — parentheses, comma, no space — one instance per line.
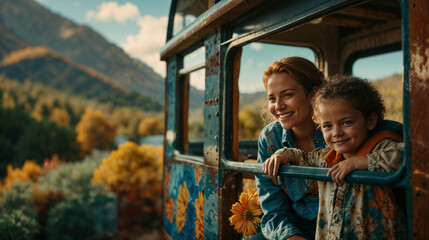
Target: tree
(250,123)
(151,126)
(60,116)
(95,131)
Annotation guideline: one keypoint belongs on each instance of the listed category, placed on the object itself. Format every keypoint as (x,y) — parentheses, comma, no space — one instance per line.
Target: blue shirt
(290,207)
(294,198)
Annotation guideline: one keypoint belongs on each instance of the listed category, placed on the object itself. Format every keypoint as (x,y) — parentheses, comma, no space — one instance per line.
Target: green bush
(17,226)
(93,216)
(18,213)
(74,179)
(18,198)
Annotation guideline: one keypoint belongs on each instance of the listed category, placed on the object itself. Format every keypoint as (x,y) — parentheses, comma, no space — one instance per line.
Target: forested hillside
(39,27)
(42,65)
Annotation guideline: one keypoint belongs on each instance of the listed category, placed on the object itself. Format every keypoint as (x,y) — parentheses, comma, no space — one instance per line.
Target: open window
(386,77)
(339,38)
(192,77)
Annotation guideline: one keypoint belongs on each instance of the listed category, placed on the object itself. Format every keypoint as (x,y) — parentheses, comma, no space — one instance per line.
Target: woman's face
(288,102)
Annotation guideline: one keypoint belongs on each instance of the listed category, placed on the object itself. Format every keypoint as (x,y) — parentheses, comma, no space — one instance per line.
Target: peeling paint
(418,172)
(421,190)
(420,66)
(171,135)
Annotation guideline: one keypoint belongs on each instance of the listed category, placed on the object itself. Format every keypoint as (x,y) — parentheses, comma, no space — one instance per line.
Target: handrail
(319,173)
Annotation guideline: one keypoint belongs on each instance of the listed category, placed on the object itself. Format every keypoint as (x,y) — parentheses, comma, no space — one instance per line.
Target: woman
(290,208)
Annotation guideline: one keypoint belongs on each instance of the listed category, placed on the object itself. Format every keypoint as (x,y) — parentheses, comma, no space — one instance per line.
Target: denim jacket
(281,203)
(287,206)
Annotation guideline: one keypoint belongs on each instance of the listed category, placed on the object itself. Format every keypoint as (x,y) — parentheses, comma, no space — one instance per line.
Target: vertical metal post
(419,115)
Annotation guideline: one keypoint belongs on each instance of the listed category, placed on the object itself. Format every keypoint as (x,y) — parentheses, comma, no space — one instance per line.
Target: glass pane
(256,57)
(385,71)
(186,13)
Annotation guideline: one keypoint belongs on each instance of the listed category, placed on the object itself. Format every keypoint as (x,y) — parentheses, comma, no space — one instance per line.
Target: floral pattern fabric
(357,211)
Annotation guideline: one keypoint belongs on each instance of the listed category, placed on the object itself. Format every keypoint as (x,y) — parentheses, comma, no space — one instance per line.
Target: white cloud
(109,11)
(256,46)
(148,42)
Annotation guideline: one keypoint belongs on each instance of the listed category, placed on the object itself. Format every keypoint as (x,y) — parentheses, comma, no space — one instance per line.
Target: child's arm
(386,157)
(340,170)
(292,155)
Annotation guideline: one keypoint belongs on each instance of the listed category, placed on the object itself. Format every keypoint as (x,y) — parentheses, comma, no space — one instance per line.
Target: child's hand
(271,165)
(344,168)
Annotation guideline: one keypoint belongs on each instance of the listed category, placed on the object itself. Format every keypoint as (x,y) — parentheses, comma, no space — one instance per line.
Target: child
(347,110)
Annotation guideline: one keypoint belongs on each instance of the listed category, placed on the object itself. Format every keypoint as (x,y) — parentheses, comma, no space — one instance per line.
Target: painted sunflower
(199,212)
(182,205)
(246,213)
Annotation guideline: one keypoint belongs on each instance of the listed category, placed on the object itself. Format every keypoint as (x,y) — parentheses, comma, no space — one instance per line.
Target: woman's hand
(271,165)
(344,168)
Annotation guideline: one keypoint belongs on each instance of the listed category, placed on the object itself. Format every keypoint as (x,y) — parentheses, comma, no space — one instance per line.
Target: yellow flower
(246,213)
(169,206)
(182,205)
(199,213)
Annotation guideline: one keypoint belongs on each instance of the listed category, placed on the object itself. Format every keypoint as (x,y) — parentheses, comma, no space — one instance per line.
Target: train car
(202,179)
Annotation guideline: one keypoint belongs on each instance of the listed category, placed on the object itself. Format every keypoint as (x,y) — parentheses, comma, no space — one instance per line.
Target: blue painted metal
(172,74)
(406,105)
(281,15)
(317,173)
(211,99)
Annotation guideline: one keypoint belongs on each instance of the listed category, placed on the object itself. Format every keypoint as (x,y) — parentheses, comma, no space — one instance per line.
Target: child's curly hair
(359,93)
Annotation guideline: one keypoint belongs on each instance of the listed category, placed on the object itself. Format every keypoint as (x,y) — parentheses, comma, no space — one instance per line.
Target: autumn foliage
(95,131)
(133,170)
(151,126)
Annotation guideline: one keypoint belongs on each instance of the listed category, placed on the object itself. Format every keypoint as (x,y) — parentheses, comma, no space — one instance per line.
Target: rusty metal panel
(419,114)
(211,101)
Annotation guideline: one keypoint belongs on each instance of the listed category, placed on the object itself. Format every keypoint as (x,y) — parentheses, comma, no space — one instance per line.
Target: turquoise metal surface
(406,106)
(211,100)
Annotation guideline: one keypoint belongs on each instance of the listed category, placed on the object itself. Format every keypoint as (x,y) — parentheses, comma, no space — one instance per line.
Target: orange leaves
(151,126)
(95,131)
(133,169)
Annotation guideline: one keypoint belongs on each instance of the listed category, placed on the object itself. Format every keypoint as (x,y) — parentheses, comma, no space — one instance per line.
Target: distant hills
(42,65)
(29,24)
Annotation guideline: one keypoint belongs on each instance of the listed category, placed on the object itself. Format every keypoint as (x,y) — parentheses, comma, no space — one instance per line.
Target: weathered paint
(419,115)
(195,179)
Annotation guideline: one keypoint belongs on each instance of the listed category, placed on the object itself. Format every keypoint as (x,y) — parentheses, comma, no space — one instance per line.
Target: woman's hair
(300,69)
(359,93)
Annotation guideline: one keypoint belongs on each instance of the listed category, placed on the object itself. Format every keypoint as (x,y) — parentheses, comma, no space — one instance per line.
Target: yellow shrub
(133,169)
(29,172)
(95,131)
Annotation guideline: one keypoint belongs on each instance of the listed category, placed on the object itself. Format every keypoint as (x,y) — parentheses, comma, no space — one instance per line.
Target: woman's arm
(278,220)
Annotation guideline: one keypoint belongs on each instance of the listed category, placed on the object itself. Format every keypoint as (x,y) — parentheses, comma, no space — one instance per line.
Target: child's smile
(344,128)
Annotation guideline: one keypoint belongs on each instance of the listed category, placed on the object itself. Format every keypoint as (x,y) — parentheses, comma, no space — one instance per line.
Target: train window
(186,12)
(335,42)
(252,114)
(385,71)
(193,74)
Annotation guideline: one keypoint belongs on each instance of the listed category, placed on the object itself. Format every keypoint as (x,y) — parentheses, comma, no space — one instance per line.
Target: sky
(139,27)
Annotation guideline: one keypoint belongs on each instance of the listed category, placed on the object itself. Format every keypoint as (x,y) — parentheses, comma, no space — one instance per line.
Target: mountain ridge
(39,26)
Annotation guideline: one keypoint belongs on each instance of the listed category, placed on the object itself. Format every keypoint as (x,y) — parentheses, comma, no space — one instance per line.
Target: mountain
(9,42)
(37,25)
(41,64)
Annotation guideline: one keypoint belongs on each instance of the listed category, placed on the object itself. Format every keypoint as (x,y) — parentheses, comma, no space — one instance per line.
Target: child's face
(344,128)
